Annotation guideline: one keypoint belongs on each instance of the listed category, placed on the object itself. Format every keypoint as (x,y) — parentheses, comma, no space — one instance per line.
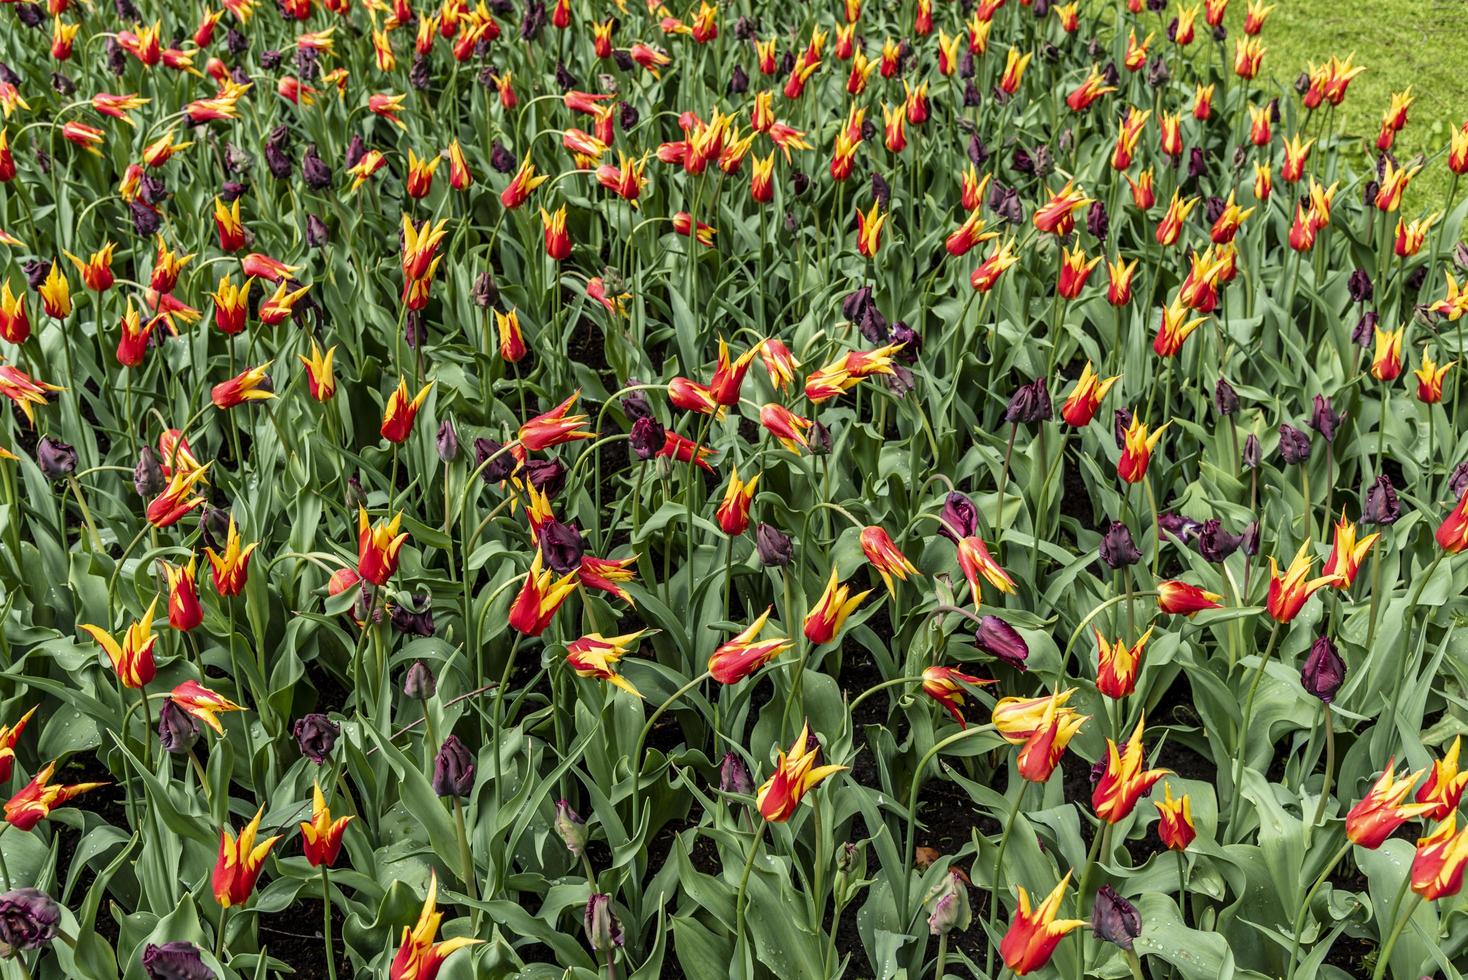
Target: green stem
(1239,751)
(1305,904)
(326,921)
(1329,767)
(744,884)
(1403,916)
(999,869)
(466,857)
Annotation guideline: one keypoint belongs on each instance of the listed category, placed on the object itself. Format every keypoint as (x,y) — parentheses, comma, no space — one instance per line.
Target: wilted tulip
(316,736)
(1030,403)
(1225,399)
(177,730)
(501,465)
(1325,419)
(1118,550)
(648,437)
(1458,479)
(148,478)
(177,960)
(29,920)
(1000,640)
(1382,506)
(1294,445)
(1114,919)
(1359,286)
(453,769)
(1252,453)
(56,459)
(561,546)
(773,546)
(948,904)
(1324,671)
(959,518)
(1214,543)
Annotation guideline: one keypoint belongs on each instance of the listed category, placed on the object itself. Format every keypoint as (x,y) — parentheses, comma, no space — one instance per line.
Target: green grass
(1402,42)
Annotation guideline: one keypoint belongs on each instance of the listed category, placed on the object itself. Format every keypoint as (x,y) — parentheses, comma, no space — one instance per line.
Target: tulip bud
(485,291)
(1118,549)
(355,495)
(738,81)
(1364,333)
(734,776)
(959,517)
(316,736)
(500,468)
(948,904)
(314,170)
(629,115)
(910,339)
(1382,506)
(1324,671)
(1250,544)
(1185,529)
(603,929)
(819,440)
(148,479)
(772,546)
(1294,445)
(177,730)
(214,525)
(1121,420)
(1000,640)
(881,191)
(419,682)
(447,442)
(571,828)
(317,234)
(1360,286)
(1325,419)
(1114,919)
(177,960)
(977,151)
(56,459)
(635,404)
(29,920)
(562,547)
(1225,399)
(1458,479)
(648,437)
(1157,73)
(1097,223)
(1252,452)
(501,159)
(453,769)
(1215,544)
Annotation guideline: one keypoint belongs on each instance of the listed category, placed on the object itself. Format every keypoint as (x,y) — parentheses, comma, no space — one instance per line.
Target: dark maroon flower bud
(1225,399)
(1097,223)
(562,547)
(1117,548)
(214,525)
(546,475)
(745,28)
(1021,161)
(1220,33)
(148,479)
(485,291)
(152,190)
(787,62)
(533,20)
(177,730)
(630,116)
(1110,74)
(1002,642)
(799,182)
(36,272)
(30,14)
(1364,334)
(1114,919)
(571,828)
(1049,53)
(314,170)
(1250,542)
(1157,73)
(316,736)
(29,920)
(146,220)
(623,60)
(116,56)
(1029,404)
(277,153)
(648,437)
(317,234)
(177,960)
(1360,287)
(307,63)
(881,191)
(1458,479)
(415,331)
(738,81)
(1382,506)
(856,303)
(355,494)
(1253,455)
(356,150)
(773,546)
(900,382)
(1460,255)
(500,158)
(1213,208)
(1215,544)
(56,459)
(1156,6)
(1294,445)
(1197,163)
(414,618)
(1121,420)
(1185,529)
(819,440)
(959,517)
(420,76)
(501,465)
(977,151)
(1324,671)
(734,776)
(447,441)
(1005,203)
(419,682)
(868,130)
(910,339)
(235,42)
(270,59)
(453,769)
(1044,161)
(635,404)
(1040,8)
(972,97)
(63,84)
(1325,419)
(603,929)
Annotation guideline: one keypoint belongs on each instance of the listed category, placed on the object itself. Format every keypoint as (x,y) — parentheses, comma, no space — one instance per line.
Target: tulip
(986,276)
(231,305)
(869,230)
(1057,216)
(250,385)
(1074,271)
(9,735)
(1086,397)
(1143,195)
(1033,934)
(1124,781)
(178,497)
(96,271)
(378,547)
(1019,719)
(1411,234)
(597,656)
(847,372)
(35,801)
(603,929)
(1003,642)
(29,920)
(400,411)
(728,377)
(1382,811)
(15,325)
(316,736)
(786,426)
(1084,95)
(795,775)
(132,659)
(1174,329)
(320,376)
(1171,225)
(554,428)
(1175,820)
(1346,553)
(1137,451)
(1289,592)
(55,294)
(1182,599)
(733,511)
(745,653)
(231,229)
(1117,665)
(976,562)
(884,555)
(946,685)
(231,569)
(1444,785)
(1394,183)
(1442,856)
(1014,70)
(321,836)
(1430,380)
(826,618)
(540,597)
(972,233)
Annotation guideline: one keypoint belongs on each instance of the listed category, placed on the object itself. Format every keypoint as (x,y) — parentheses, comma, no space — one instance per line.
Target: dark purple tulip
(56,459)
(36,272)
(1022,162)
(447,441)
(1030,403)
(1197,163)
(738,81)
(571,828)
(1185,529)
(972,97)
(277,153)
(148,479)
(745,28)
(546,475)
(1250,542)
(1458,479)
(270,59)
(881,190)
(502,465)
(977,151)
(959,517)
(485,291)
(1097,223)
(910,339)
(856,304)
(1117,548)
(734,775)
(635,404)
(1213,209)
(1225,399)
(630,116)
(1000,640)
(501,159)
(562,547)
(1382,506)
(787,62)
(146,220)
(355,494)
(1294,445)
(314,170)
(648,437)
(1325,419)
(900,381)
(1360,287)
(1415,279)
(1121,420)
(819,440)
(177,730)
(1005,203)
(316,735)
(419,682)
(420,76)
(178,960)
(868,128)
(30,14)
(1369,192)
(317,234)
(453,769)
(116,57)
(1215,544)
(62,84)
(799,182)
(1114,919)
(235,42)
(414,618)
(214,525)
(29,919)
(603,929)
(1157,73)
(773,546)
(1253,455)
(1324,671)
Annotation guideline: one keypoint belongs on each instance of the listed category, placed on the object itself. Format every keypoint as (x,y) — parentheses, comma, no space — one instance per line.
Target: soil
(293,935)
